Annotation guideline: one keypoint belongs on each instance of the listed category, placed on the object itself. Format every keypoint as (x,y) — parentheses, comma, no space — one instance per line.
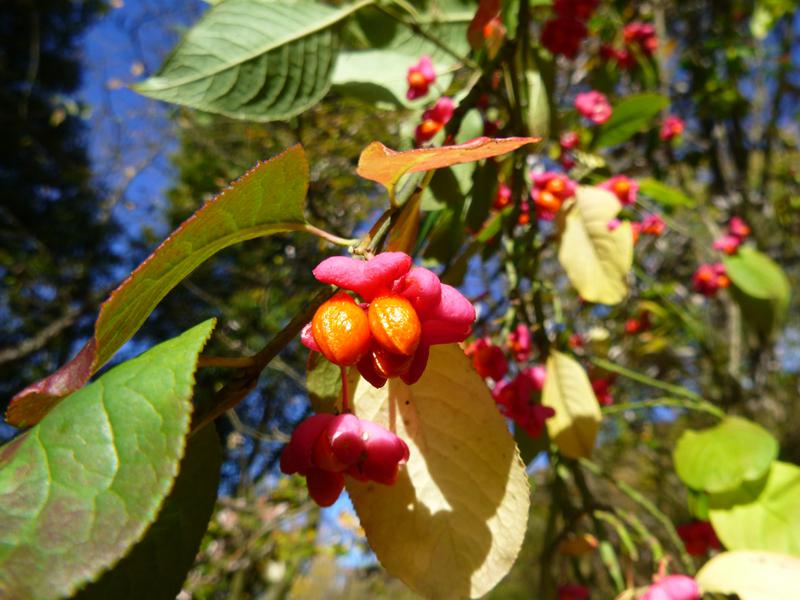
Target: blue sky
(130,136)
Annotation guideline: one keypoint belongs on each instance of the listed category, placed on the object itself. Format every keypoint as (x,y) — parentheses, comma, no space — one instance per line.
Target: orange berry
(429,127)
(705,275)
(417,79)
(388,364)
(621,187)
(394,324)
(524,218)
(723,281)
(556,186)
(341,330)
(548,201)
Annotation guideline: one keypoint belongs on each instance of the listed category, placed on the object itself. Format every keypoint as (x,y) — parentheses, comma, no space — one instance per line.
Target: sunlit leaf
(630,116)
(453,523)
(157,565)
(596,258)
(720,458)
(254,59)
(664,194)
(387,166)
(538,105)
(567,390)
(82,487)
(379,74)
(267,199)
(750,575)
(761,515)
(760,286)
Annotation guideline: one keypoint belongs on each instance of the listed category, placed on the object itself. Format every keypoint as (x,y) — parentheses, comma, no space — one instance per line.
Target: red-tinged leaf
(487,10)
(387,166)
(267,199)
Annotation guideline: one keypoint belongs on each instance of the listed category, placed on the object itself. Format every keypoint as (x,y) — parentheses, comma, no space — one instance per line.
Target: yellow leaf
(567,391)
(453,523)
(403,236)
(751,575)
(596,259)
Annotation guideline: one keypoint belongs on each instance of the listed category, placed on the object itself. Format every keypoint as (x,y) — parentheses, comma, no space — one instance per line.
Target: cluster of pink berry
(404,311)
(568,141)
(324,447)
(637,37)
(517,398)
(738,231)
(420,77)
(594,106)
(550,190)
(673,587)
(652,224)
(434,119)
(671,128)
(502,198)
(709,278)
(601,386)
(564,33)
(624,188)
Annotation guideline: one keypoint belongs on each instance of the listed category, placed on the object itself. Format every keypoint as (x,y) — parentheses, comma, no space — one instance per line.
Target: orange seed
(341,330)
(394,324)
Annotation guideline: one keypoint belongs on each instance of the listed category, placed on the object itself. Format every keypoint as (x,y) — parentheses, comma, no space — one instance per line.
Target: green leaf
(267,199)
(529,447)
(324,384)
(596,259)
(664,194)
(761,515)
(484,189)
(538,105)
(697,503)
(760,287)
(722,457)
(82,487)
(629,117)
(453,523)
(567,390)
(750,575)
(471,126)
(379,74)
(157,565)
(254,59)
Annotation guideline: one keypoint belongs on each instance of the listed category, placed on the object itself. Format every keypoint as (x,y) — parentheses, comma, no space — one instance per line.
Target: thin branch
(700,406)
(646,379)
(38,341)
(236,390)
